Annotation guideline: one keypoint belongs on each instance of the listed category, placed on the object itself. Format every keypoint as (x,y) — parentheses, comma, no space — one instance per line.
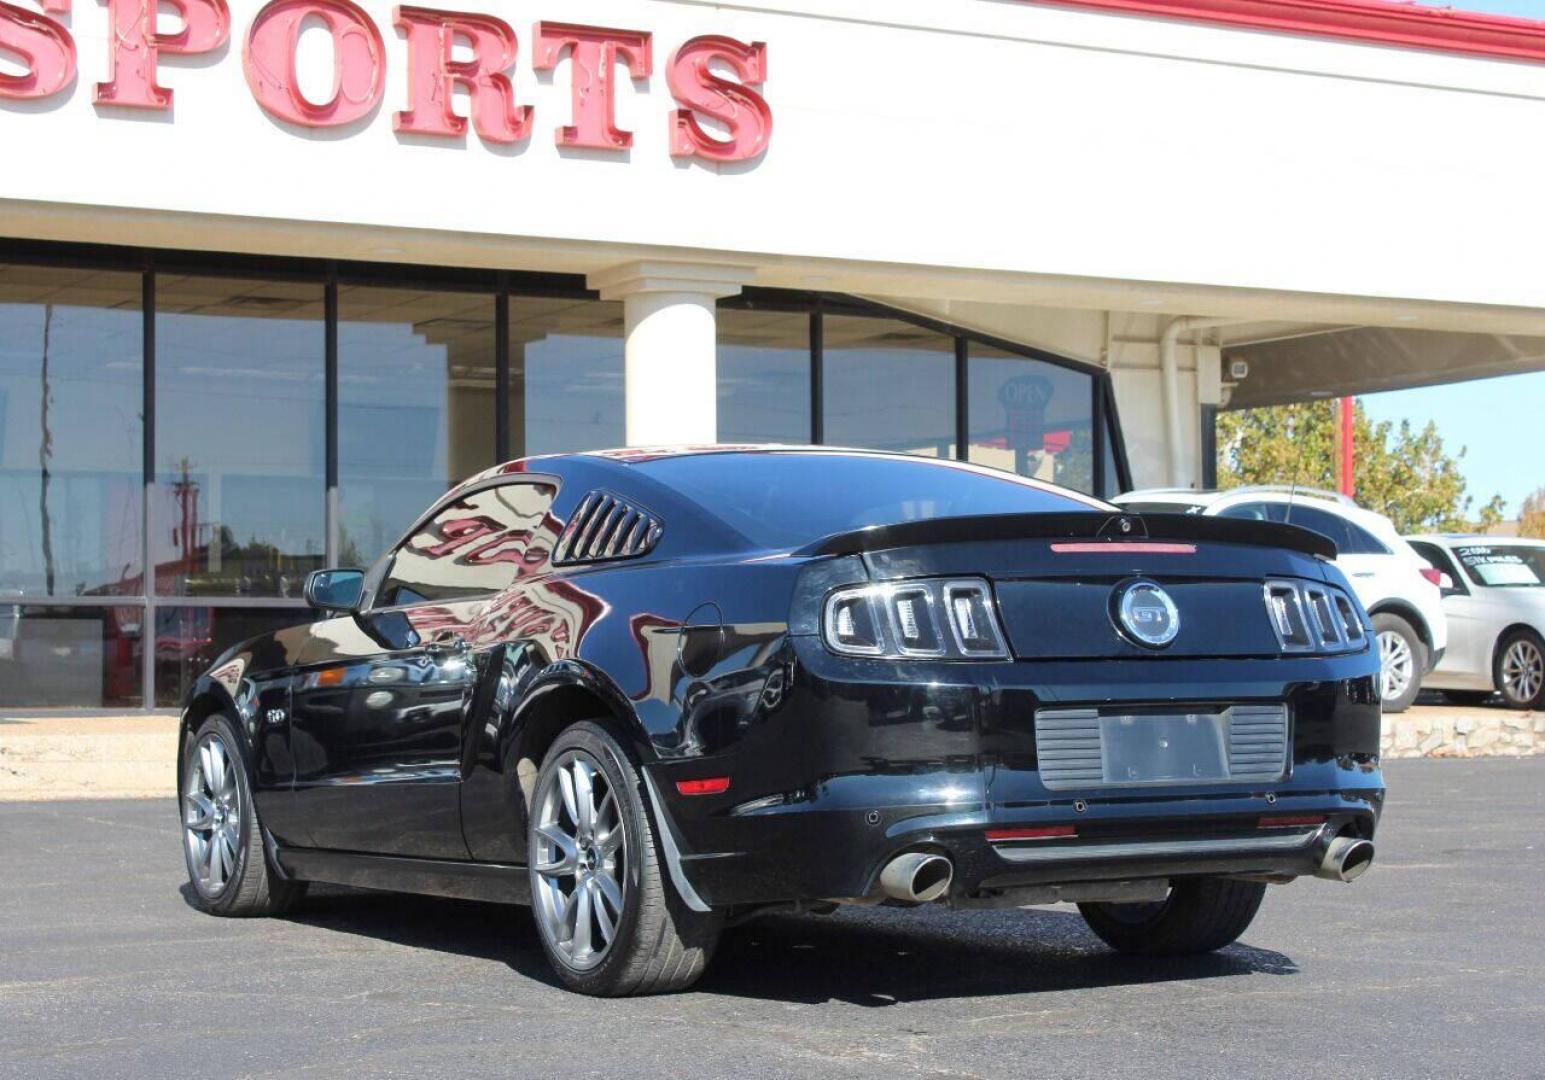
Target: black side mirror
(335,590)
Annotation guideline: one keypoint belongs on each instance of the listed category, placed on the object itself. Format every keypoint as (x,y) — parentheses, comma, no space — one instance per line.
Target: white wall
(985,135)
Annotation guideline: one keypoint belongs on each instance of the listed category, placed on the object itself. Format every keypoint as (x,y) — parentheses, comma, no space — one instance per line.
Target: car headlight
(924,619)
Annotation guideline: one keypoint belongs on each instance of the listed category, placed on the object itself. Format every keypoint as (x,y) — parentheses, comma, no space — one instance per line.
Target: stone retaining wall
(1444,732)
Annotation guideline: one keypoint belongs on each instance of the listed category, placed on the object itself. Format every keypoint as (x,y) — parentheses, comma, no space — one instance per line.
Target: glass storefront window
(78,656)
(1031,417)
(71,434)
(188,639)
(1112,482)
(889,385)
(240,436)
(416,407)
(764,376)
(239,503)
(566,381)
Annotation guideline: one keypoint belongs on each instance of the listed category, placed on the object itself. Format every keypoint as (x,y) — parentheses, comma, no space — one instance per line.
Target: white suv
(1397,586)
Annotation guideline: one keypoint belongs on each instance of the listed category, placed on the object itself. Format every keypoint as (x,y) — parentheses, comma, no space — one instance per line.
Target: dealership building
(274,275)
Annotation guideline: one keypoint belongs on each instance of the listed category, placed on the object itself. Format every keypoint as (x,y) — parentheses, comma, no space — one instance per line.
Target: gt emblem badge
(1146,614)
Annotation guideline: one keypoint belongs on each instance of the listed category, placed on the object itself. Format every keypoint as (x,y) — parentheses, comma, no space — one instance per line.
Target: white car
(1494,596)
(1396,585)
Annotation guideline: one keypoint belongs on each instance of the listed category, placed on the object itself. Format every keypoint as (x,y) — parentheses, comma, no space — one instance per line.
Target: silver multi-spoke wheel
(1523,671)
(211,814)
(1397,665)
(579,858)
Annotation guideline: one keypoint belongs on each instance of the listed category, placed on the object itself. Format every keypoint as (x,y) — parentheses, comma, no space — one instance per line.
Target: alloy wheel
(1397,665)
(1523,671)
(211,815)
(579,860)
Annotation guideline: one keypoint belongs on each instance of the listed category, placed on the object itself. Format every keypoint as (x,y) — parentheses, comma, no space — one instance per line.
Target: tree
(1531,515)
(1404,474)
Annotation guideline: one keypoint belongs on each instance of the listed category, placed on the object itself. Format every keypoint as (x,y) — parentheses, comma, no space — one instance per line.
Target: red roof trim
(1379,21)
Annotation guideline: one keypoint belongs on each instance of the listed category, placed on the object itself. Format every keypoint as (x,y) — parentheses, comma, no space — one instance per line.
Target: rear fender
(530,700)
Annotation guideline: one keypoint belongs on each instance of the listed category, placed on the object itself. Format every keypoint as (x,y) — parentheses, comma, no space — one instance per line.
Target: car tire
(1467,697)
(1402,661)
(579,873)
(227,860)
(1198,916)
(1518,670)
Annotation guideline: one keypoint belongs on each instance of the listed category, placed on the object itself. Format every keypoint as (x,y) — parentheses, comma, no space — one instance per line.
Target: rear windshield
(781,500)
(1502,564)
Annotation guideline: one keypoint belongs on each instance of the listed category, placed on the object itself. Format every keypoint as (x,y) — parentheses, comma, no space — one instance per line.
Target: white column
(670,372)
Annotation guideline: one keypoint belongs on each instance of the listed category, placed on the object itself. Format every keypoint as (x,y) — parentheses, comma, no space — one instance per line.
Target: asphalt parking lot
(1432,966)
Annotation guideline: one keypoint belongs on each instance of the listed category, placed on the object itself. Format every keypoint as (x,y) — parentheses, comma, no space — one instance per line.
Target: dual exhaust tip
(1346,859)
(917,877)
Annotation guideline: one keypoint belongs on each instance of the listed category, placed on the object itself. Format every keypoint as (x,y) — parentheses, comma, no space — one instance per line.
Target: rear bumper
(863,761)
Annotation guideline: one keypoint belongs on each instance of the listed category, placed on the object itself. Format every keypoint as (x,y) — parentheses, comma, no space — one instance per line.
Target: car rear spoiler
(1101,526)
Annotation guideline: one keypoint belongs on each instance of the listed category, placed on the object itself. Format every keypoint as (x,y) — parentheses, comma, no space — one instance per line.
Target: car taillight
(916,620)
(1313,618)
(1434,575)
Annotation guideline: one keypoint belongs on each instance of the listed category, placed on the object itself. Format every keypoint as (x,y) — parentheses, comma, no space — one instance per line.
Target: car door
(382,701)
(1465,654)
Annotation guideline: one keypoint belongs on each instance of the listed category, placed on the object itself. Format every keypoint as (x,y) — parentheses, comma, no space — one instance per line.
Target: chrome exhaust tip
(917,877)
(1346,859)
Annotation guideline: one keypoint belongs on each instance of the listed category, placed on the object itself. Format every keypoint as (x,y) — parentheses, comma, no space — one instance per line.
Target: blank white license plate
(1164,748)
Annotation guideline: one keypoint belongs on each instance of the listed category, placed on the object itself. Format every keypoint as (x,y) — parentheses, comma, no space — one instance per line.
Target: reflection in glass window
(476,546)
(764,376)
(188,639)
(889,385)
(71,388)
(240,440)
(85,657)
(1031,417)
(566,382)
(416,407)
(1112,481)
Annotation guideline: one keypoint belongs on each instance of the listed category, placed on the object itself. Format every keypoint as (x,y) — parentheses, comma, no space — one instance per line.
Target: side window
(1253,511)
(476,545)
(1325,524)
(1362,542)
(1439,558)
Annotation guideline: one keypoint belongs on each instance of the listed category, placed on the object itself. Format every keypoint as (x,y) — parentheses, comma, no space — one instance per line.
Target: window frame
(378,575)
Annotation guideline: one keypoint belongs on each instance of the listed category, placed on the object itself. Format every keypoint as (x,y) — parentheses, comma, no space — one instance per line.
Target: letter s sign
(740,109)
(44,46)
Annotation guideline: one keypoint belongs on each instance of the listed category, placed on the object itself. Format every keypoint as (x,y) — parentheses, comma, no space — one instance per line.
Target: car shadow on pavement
(883,956)
(863,956)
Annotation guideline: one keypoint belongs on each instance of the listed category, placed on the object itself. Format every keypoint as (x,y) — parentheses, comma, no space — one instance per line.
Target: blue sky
(1524,9)
(1489,417)
(1494,419)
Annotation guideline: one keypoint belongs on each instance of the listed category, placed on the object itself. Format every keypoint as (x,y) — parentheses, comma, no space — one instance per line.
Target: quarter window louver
(607,527)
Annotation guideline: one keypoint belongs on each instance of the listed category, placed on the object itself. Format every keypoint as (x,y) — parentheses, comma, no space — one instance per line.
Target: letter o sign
(359,62)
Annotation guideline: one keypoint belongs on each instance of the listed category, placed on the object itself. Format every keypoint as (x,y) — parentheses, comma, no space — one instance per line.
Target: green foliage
(1399,472)
(1531,516)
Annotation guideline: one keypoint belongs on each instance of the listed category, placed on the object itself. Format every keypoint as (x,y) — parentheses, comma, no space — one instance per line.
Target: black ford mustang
(649,691)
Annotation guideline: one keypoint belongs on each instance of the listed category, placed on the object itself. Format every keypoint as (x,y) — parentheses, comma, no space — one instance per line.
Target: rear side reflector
(1119,547)
(1033,832)
(1283,821)
(711,785)
(1432,574)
